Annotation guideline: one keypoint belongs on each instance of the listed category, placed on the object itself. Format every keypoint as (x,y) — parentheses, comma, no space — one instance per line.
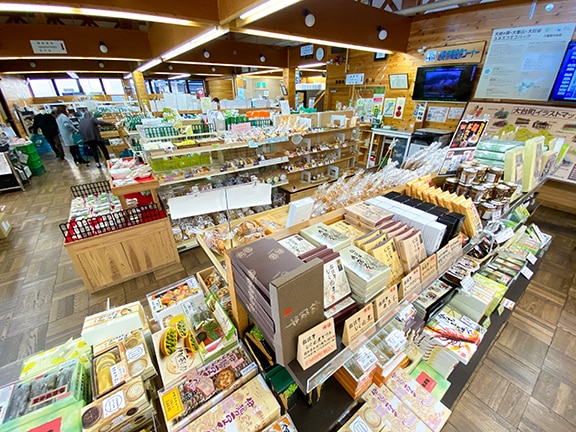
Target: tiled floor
(526,382)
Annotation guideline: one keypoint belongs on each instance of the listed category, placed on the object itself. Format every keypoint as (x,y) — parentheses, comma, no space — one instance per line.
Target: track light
(103,48)
(213,69)
(382,33)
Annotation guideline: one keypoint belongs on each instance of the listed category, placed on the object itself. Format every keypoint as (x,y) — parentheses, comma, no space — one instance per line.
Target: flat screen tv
(565,85)
(452,83)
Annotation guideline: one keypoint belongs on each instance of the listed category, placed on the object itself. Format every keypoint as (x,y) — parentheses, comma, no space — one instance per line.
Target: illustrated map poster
(522,62)
(519,122)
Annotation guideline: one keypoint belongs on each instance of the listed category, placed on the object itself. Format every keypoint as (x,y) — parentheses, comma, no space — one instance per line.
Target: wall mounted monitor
(453,83)
(565,85)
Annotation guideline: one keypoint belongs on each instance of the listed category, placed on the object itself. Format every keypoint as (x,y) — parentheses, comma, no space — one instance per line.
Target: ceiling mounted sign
(466,53)
(48,47)
(306,50)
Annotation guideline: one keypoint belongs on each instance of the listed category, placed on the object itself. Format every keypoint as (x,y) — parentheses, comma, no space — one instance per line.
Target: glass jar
(463,189)
(468,175)
(450,184)
(477,193)
(493,174)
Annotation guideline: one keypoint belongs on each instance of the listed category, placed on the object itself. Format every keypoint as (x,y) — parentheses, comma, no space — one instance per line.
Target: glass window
(113,86)
(42,87)
(67,86)
(91,86)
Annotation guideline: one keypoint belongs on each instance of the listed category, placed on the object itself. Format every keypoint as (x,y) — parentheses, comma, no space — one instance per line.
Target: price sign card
(409,283)
(357,324)
(385,301)
(316,343)
(444,258)
(428,269)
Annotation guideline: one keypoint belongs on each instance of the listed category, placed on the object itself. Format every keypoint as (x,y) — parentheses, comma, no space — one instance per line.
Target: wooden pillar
(141,92)
(289,79)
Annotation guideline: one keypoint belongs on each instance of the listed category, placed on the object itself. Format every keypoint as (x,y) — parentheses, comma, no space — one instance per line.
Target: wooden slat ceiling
(132,42)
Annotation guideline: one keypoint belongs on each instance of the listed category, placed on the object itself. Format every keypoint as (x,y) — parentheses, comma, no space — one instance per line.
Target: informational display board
(522,62)
(520,122)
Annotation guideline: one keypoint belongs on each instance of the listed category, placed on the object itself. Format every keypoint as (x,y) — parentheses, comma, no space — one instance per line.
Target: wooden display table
(558,195)
(108,259)
(149,184)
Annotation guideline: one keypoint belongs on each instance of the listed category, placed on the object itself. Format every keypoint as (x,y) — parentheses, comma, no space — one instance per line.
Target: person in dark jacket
(47,123)
(90,131)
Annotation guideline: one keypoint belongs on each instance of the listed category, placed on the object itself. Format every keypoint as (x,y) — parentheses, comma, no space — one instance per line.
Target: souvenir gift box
(125,409)
(249,409)
(46,394)
(117,361)
(163,303)
(202,388)
(42,361)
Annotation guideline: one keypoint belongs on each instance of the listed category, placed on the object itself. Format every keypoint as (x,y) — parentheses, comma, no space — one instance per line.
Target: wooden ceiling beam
(342,21)
(232,52)
(179,69)
(80,66)
(200,12)
(164,37)
(79,41)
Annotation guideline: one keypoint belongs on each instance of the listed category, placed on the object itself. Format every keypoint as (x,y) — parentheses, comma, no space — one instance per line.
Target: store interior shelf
(316,375)
(159,154)
(179,179)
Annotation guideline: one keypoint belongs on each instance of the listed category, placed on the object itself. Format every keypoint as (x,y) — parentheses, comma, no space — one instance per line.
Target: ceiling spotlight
(309,19)
(262,58)
(206,53)
(170,67)
(213,69)
(101,65)
(32,64)
(549,7)
(382,33)
(103,48)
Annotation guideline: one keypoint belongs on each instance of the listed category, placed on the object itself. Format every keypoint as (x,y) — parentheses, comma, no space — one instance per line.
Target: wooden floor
(526,382)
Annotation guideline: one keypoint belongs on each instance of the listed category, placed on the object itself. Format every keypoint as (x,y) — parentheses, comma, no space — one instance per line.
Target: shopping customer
(67,131)
(90,131)
(47,123)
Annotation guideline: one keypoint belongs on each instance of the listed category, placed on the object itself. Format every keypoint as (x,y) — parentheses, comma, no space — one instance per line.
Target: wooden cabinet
(108,259)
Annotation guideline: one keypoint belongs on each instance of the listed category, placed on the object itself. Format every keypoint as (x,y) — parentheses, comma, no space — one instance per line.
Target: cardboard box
(114,322)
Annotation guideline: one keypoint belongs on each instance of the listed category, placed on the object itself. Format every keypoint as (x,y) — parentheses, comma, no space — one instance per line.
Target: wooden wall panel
(220,88)
(471,24)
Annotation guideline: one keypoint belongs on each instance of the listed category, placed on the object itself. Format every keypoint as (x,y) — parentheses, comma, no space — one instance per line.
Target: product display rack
(317,374)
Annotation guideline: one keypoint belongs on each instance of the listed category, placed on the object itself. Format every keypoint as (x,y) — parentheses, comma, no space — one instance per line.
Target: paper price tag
(366,359)
(508,304)
(504,235)
(252,144)
(527,273)
(396,340)
(531,258)
(156,305)
(468,284)
(113,404)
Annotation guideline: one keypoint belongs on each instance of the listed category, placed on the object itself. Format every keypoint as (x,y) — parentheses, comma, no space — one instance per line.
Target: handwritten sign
(316,343)
(357,324)
(410,282)
(385,301)
(444,258)
(428,270)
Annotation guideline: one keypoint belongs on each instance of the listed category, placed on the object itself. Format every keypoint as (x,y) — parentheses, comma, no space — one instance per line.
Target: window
(67,86)
(113,86)
(159,86)
(42,87)
(91,86)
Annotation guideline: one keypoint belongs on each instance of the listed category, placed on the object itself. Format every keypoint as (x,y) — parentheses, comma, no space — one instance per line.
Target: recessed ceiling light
(101,65)
(103,48)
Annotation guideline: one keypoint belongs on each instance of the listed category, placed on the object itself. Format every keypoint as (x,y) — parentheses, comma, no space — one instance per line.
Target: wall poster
(519,122)
(389,105)
(522,62)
